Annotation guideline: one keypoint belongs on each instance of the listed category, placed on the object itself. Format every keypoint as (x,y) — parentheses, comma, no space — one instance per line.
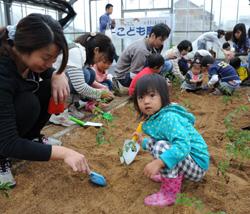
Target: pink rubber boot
(156,178)
(167,194)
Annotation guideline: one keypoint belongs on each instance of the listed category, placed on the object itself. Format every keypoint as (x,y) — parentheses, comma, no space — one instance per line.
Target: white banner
(138,27)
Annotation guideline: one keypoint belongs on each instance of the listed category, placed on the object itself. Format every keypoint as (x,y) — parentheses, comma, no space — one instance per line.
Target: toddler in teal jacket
(178,149)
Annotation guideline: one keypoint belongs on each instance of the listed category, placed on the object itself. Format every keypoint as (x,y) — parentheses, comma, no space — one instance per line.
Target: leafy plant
(100,136)
(186,103)
(183,199)
(4,188)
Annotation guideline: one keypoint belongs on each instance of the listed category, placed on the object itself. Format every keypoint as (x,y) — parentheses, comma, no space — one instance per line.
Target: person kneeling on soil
(223,78)
(193,79)
(179,151)
(27,81)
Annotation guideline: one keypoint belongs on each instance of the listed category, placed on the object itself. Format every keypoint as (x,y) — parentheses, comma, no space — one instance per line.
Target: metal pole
(7,13)
(237,15)
(220,14)
(211,16)
(90,19)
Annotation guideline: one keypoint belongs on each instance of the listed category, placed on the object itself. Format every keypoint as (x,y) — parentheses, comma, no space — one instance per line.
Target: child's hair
(34,32)
(160,30)
(155,60)
(185,45)
(226,45)
(96,40)
(207,60)
(212,52)
(195,61)
(241,42)
(148,83)
(235,62)
(220,33)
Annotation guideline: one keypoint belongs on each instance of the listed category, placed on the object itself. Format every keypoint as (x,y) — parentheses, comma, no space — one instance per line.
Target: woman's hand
(72,158)
(60,87)
(107,95)
(77,162)
(153,167)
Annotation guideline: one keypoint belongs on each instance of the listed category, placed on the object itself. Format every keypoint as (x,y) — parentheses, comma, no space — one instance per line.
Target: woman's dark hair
(96,40)
(148,83)
(37,31)
(155,60)
(229,35)
(248,33)
(235,62)
(220,33)
(241,42)
(185,45)
(160,30)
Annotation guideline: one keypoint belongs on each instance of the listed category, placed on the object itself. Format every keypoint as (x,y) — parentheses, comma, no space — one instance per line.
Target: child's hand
(153,167)
(138,137)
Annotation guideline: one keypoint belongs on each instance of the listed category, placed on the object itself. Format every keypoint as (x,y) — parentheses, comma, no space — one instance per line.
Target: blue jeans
(108,83)
(166,68)
(89,75)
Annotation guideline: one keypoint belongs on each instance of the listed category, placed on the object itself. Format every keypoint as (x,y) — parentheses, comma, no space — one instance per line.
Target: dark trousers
(32,110)
(125,82)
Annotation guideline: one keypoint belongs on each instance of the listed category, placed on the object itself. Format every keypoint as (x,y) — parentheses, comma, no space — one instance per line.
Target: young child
(102,79)
(242,71)
(155,62)
(193,78)
(222,76)
(178,149)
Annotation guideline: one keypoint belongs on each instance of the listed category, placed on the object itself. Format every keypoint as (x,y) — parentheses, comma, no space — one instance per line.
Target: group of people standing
(36,63)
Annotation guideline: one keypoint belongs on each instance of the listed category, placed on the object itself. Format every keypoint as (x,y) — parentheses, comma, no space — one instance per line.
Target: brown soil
(52,187)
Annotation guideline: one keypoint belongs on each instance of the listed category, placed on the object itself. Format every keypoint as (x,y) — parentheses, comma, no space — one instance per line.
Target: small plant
(132,145)
(222,169)
(4,188)
(100,138)
(183,199)
(186,103)
(227,99)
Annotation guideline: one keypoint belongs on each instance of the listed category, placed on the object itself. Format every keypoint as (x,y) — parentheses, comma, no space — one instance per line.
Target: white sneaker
(5,173)
(48,140)
(74,112)
(61,119)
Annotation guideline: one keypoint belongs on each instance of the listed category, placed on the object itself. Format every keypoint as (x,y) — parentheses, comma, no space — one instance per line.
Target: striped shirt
(74,71)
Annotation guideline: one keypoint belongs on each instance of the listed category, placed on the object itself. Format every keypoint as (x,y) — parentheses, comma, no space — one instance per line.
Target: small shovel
(97,179)
(82,123)
(130,147)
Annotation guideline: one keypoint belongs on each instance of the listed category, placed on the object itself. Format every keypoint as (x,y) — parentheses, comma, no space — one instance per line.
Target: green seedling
(132,145)
(4,188)
(222,169)
(183,199)
(100,138)
(105,115)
